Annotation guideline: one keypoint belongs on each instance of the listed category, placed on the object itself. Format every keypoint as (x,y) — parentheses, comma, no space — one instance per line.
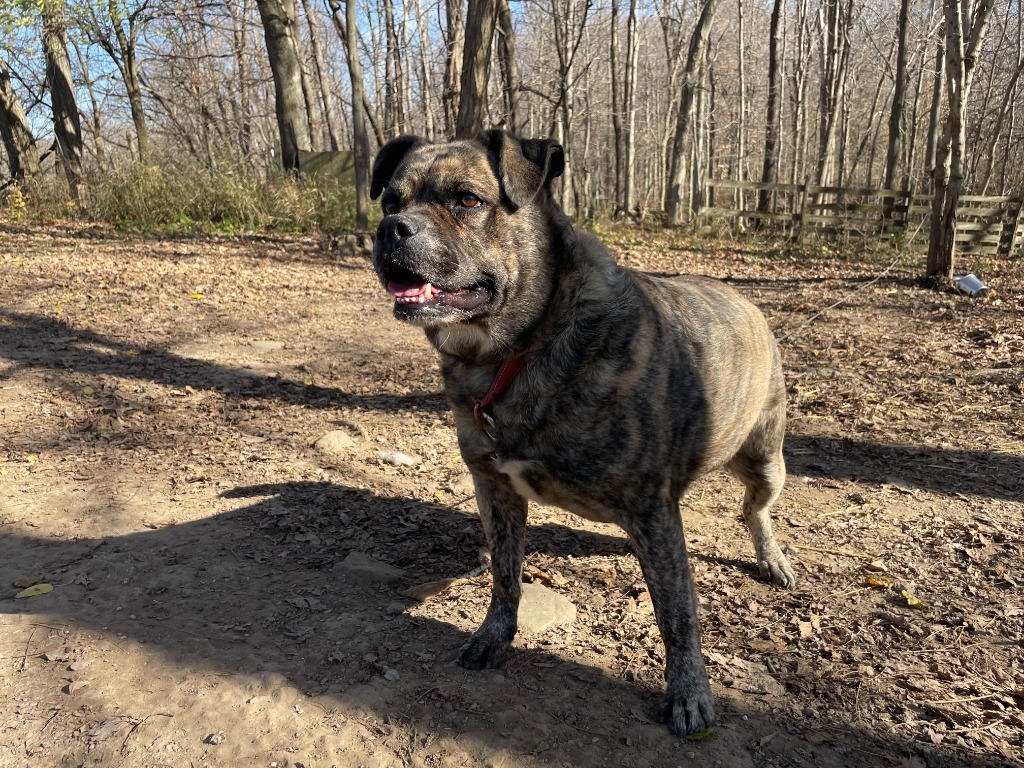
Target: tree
(67,126)
(348,31)
(22,157)
(965,23)
(476,61)
(692,75)
(115,27)
(280,29)
(772,124)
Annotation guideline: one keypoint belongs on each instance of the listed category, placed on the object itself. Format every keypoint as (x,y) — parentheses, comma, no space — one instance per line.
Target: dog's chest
(532,480)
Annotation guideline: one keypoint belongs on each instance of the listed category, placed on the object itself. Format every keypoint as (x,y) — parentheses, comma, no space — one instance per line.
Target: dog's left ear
(524,166)
(388,159)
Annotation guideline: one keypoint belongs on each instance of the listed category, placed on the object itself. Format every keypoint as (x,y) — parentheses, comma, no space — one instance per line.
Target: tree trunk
(349,34)
(935,114)
(326,97)
(454,43)
(281,34)
(741,121)
(394,76)
(66,124)
(695,57)
(240,52)
(833,28)
(614,54)
(476,61)
(629,105)
(130,73)
(773,123)
(426,86)
(966,24)
(22,157)
(509,65)
(899,98)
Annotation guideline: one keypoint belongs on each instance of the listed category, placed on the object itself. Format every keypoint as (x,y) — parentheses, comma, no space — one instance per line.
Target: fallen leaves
(35,590)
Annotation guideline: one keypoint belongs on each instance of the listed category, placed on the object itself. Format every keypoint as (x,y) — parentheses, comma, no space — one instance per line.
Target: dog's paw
(689,712)
(483,651)
(775,567)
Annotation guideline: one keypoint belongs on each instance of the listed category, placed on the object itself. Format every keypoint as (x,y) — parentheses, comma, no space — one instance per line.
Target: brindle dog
(577,382)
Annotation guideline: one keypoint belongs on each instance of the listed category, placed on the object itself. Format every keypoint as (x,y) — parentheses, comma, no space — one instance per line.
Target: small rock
(463,485)
(359,564)
(397,459)
(336,441)
(541,609)
(215,738)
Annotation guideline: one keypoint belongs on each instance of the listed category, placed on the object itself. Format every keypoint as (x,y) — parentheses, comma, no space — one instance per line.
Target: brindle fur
(632,386)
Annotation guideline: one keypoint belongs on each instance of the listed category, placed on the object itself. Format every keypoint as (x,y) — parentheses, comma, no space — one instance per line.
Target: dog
(577,382)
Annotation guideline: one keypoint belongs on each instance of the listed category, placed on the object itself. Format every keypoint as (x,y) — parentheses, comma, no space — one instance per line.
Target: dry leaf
(425,591)
(877,582)
(914,602)
(35,589)
(707,733)
(25,583)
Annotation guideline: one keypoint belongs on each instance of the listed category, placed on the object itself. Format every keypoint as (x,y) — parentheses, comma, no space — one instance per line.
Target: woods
(652,100)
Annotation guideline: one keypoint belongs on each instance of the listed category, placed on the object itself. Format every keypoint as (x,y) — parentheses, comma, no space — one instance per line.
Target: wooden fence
(985,225)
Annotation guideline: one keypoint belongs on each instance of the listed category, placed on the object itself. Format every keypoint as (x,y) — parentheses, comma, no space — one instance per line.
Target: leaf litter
(902,644)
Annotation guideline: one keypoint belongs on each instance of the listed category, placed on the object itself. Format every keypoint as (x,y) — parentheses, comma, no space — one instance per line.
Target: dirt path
(225,594)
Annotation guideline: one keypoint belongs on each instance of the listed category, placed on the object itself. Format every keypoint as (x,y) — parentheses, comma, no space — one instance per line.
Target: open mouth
(412,291)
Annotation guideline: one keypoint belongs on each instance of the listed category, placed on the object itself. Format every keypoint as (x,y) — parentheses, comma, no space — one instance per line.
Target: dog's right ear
(388,159)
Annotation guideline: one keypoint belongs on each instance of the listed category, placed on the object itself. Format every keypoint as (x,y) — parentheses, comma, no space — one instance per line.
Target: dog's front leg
(658,540)
(503,512)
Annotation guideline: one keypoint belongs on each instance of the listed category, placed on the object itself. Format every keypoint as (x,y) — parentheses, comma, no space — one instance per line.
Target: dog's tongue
(402,290)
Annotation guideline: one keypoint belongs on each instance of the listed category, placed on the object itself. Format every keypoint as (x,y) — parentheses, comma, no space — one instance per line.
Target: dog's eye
(469,200)
(390,207)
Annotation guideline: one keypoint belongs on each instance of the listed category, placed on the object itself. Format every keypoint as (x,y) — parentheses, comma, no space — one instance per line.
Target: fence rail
(984,225)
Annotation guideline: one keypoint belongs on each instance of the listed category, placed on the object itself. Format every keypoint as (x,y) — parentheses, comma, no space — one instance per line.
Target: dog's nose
(396,228)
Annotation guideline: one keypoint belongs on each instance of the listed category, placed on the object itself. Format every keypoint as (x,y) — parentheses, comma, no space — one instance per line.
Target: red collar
(502,381)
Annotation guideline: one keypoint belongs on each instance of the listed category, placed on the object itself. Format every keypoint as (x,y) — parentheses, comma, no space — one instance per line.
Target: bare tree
(67,126)
(772,123)
(280,28)
(476,61)
(394,76)
(966,23)
(115,26)
(509,65)
(899,98)
(320,67)
(454,44)
(348,31)
(22,157)
(692,74)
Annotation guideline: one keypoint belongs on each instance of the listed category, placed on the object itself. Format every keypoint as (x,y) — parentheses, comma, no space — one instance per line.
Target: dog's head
(464,241)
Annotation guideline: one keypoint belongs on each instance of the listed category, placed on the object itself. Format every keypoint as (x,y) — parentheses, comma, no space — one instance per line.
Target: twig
(24,657)
(138,724)
(959,701)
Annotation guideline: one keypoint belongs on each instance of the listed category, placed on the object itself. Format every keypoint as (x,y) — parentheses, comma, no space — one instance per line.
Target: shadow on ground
(219,595)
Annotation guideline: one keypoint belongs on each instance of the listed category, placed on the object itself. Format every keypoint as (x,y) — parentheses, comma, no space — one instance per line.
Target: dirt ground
(223,593)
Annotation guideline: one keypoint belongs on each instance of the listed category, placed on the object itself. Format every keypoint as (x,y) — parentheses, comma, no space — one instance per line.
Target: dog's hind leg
(503,512)
(759,464)
(660,547)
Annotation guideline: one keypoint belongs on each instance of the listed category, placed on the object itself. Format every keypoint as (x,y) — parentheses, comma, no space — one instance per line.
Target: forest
(651,100)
